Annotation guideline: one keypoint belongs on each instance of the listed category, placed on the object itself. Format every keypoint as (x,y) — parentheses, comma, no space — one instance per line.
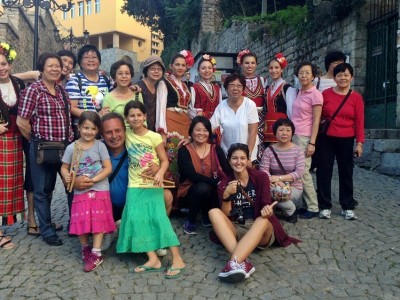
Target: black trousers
(200,197)
(341,149)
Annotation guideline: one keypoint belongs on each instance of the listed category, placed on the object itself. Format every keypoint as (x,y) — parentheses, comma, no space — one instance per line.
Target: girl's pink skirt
(91,212)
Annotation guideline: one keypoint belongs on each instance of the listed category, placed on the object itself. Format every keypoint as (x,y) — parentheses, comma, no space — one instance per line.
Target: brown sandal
(7,245)
(33,230)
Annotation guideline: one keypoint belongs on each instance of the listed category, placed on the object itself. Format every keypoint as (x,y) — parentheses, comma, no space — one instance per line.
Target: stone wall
(16,28)
(111,55)
(211,20)
(348,35)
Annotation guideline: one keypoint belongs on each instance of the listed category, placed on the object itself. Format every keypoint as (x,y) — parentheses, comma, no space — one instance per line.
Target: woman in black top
(200,166)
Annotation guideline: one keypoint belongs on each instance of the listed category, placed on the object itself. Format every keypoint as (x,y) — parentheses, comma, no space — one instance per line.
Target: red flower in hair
(188,58)
(282,60)
(240,55)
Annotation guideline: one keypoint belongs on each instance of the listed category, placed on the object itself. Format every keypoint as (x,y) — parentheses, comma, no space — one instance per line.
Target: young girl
(145,226)
(91,210)
(205,95)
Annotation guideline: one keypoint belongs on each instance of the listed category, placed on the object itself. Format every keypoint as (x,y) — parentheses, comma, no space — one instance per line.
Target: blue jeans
(44,179)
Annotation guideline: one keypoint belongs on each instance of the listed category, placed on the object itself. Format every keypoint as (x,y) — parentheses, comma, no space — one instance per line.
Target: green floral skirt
(145,225)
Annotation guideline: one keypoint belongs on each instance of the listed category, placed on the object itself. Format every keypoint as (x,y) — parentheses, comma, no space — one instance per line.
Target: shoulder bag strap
(66,106)
(277,159)
(341,105)
(243,192)
(120,163)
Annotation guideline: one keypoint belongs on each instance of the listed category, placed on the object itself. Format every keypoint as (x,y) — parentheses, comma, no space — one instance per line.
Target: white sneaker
(349,215)
(161,252)
(325,214)
(117,224)
(108,239)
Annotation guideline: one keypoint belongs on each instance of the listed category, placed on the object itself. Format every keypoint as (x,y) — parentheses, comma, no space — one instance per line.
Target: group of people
(168,144)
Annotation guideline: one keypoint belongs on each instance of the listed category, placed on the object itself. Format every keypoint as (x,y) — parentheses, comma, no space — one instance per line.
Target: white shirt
(235,126)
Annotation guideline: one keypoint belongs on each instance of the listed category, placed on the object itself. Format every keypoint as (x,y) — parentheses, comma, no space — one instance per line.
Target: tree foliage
(173,17)
(246,8)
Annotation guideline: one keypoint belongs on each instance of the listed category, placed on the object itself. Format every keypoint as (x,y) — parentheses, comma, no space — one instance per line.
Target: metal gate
(381,88)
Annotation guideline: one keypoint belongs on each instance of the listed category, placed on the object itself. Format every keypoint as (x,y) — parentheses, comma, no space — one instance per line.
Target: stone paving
(337,259)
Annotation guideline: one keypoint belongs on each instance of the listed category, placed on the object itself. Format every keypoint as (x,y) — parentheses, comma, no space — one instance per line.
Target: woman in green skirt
(145,225)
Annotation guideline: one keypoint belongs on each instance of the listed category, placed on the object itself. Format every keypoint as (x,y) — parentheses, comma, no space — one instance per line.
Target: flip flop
(7,245)
(36,231)
(171,269)
(147,269)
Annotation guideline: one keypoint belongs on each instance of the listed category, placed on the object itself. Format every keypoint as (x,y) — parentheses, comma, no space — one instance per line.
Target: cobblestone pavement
(337,259)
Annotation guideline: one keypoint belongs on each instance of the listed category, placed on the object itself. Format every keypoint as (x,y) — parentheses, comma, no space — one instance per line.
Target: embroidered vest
(176,96)
(257,95)
(205,100)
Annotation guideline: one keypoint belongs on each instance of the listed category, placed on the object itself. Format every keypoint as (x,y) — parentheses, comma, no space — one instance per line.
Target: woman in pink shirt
(338,143)
(306,114)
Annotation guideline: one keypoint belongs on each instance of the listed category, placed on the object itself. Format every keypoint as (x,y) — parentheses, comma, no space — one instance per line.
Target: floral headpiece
(188,57)
(240,55)
(8,51)
(212,60)
(281,60)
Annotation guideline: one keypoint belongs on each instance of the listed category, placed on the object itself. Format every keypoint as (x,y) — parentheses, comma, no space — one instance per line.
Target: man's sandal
(33,230)
(7,245)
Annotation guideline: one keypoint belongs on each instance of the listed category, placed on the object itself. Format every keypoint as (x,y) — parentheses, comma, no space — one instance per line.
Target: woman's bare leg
(258,234)
(224,229)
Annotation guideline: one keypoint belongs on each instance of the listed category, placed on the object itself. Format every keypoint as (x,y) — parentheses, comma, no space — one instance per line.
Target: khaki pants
(309,194)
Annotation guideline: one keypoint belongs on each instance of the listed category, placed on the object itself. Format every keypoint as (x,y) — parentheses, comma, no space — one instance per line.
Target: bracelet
(311,144)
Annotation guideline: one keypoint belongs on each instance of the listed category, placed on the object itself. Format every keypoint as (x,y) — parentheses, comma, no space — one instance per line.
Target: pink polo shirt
(302,114)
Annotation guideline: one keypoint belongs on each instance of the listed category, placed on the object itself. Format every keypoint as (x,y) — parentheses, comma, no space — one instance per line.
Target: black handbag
(49,152)
(325,123)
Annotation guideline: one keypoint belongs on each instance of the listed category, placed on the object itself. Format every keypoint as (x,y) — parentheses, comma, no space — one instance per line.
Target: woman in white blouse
(236,116)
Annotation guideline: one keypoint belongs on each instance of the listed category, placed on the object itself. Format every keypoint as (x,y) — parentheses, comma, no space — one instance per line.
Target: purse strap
(66,106)
(116,170)
(277,159)
(341,105)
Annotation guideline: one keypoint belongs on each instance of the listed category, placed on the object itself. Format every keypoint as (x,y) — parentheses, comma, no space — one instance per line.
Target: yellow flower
(5,46)
(213,61)
(13,54)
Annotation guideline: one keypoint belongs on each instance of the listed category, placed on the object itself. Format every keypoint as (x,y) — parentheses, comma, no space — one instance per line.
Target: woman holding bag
(284,163)
(338,142)
(44,114)
(200,166)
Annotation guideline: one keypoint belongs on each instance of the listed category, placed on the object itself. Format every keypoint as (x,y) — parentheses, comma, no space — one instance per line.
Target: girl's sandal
(7,245)
(171,269)
(33,230)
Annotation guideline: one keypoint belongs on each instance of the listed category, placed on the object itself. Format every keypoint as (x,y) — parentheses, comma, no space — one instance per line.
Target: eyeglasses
(237,86)
(156,69)
(90,58)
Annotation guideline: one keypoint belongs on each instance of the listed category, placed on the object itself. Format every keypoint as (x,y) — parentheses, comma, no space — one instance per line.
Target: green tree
(178,20)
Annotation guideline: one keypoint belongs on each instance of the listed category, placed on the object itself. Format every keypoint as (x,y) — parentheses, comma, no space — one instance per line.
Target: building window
(155,37)
(155,44)
(96,6)
(72,11)
(65,15)
(80,9)
(154,51)
(89,7)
